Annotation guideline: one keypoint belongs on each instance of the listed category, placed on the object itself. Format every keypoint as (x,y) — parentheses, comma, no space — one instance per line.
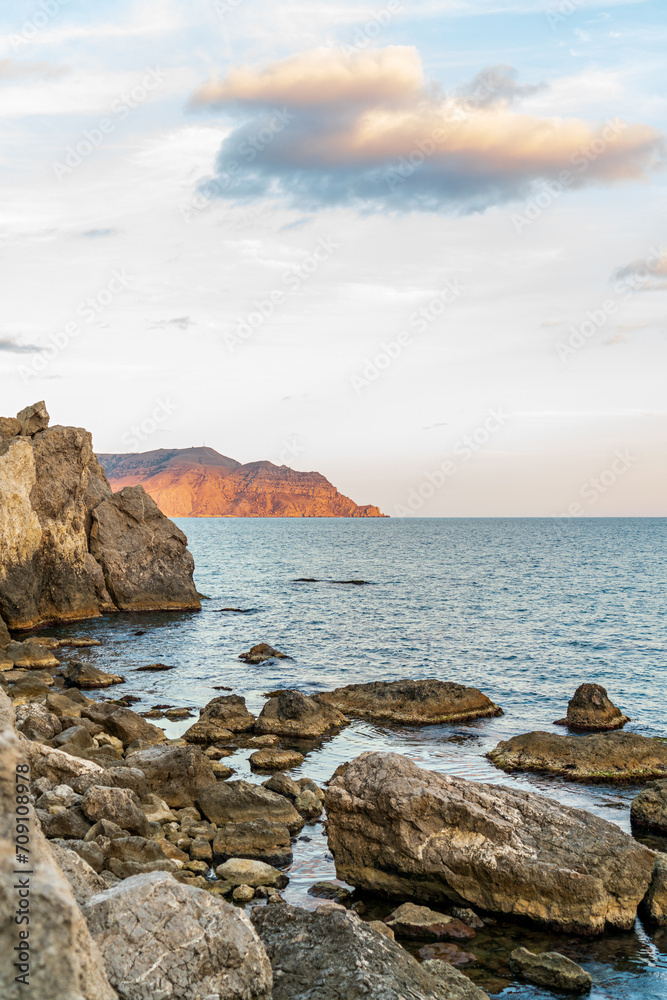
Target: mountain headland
(199,482)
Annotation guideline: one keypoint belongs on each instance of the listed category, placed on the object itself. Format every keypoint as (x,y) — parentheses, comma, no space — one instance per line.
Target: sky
(418,247)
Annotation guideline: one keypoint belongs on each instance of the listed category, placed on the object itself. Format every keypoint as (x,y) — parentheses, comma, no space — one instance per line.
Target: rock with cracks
(434,838)
(412,702)
(177,774)
(291,713)
(219,719)
(163,940)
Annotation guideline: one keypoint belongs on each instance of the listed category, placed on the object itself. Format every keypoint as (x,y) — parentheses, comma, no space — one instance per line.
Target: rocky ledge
(412,834)
(70,548)
(412,702)
(600,757)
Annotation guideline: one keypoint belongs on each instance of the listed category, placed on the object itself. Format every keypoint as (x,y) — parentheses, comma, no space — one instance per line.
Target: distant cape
(199,482)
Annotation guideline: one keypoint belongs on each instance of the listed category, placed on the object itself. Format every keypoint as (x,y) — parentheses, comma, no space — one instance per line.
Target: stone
(275,760)
(61,704)
(291,713)
(243,894)
(156,810)
(36,722)
(258,840)
(31,655)
(381,928)
(599,757)
(221,771)
(163,939)
(649,808)
(137,849)
(309,805)
(654,904)
(222,717)
(412,921)
(467,916)
(57,765)
(111,777)
(404,832)
(591,709)
(64,960)
(447,951)
(60,796)
(330,953)
(200,849)
(76,643)
(242,802)
(67,823)
(84,881)
(143,555)
(177,774)
(333,891)
(120,805)
(75,736)
(454,985)
(282,784)
(33,419)
(261,653)
(264,741)
(106,829)
(240,871)
(412,702)
(127,726)
(88,677)
(9,427)
(550,969)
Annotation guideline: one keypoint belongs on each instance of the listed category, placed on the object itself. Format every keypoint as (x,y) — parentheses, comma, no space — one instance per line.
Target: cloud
(96,234)
(12,346)
(368,131)
(648,274)
(181,323)
(12,69)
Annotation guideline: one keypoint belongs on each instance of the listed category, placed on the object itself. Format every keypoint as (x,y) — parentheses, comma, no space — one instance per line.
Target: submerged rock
(290,713)
(160,938)
(330,953)
(649,809)
(88,677)
(223,716)
(599,757)
(591,709)
(261,653)
(412,921)
(412,702)
(408,833)
(550,969)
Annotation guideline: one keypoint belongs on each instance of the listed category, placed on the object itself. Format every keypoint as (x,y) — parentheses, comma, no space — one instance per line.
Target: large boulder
(51,568)
(219,719)
(291,713)
(649,808)
(599,757)
(242,802)
(258,840)
(412,702)
(57,765)
(177,774)
(144,556)
(330,953)
(161,939)
(120,805)
(407,833)
(84,881)
(590,709)
(64,962)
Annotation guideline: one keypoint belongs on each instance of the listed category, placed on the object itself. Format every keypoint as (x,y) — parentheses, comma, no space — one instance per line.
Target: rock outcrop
(591,710)
(160,939)
(412,702)
(67,545)
(330,953)
(177,774)
(64,962)
(424,836)
(599,757)
(198,482)
(291,713)
(649,809)
(219,719)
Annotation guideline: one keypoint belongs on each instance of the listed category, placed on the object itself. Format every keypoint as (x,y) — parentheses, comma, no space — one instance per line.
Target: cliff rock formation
(198,482)
(71,549)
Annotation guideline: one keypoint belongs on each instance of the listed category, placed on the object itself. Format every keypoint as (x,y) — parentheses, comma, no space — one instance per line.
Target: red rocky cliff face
(200,483)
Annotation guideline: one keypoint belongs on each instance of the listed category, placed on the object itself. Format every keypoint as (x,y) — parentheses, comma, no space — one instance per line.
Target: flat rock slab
(330,953)
(412,702)
(412,921)
(550,969)
(275,760)
(408,833)
(599,757)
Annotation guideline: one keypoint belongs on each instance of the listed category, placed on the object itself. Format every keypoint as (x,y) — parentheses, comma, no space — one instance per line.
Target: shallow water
(526,610)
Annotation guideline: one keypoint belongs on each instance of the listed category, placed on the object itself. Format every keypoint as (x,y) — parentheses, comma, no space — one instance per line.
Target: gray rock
(36,722)
(654,903)
(330,953)
(219,719)
(163,940)
(177,774)
(84,881)
(112,777)
(434,838)
(120,805)
(75,736)
(242,802)
(550,969)
(454,984)
(64,964)
(649,809)
(143,555)
(291,713)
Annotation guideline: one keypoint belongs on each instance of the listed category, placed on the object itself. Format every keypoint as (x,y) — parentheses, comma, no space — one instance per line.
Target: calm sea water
(526,610)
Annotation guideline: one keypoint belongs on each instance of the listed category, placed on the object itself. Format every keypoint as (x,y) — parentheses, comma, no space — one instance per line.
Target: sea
(524,609)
